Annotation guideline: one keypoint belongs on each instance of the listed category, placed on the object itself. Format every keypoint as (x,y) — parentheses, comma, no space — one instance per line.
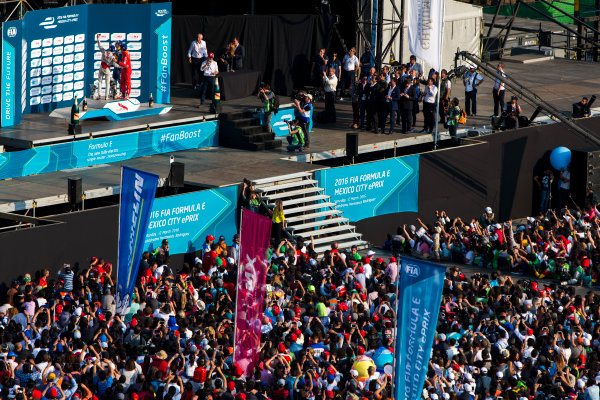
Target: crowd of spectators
(329,322)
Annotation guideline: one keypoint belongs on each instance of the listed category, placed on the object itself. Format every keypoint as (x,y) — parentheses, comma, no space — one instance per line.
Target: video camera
(297,95)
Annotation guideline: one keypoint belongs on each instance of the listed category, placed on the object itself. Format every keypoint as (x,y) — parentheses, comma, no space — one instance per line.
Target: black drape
(279,46)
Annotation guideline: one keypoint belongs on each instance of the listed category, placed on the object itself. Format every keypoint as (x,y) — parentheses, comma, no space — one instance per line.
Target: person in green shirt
(453,115)
(296,136)
(266,97)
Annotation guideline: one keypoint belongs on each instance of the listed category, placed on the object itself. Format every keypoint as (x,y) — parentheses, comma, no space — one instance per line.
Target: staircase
(241,130)
(309,212)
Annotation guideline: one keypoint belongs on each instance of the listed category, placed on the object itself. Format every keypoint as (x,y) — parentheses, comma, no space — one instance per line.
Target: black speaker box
(176,174)
(75,192)
(351,144)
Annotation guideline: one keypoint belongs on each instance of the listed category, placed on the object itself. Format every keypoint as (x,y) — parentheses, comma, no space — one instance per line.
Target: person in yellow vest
(278,221)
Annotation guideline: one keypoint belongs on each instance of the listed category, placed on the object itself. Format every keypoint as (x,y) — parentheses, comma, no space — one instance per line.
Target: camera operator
(512,112)
(296,136)
(303,106)
(266,97)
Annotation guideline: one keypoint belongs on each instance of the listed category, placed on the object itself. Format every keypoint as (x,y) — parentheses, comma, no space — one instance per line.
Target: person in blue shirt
(367,61)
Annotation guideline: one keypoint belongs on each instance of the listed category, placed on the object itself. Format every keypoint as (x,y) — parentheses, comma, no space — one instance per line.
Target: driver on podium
(125,64)
(104,74)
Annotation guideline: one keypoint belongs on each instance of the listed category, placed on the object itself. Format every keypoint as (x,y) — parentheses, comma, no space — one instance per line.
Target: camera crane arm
(528,95)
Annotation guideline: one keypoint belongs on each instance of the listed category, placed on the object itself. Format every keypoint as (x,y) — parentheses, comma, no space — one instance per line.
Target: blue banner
(278,120)
(12,32)
(160,25)
(185,220)
(371,189)
(56,55)
(420,294)
(85,153)
(138,189)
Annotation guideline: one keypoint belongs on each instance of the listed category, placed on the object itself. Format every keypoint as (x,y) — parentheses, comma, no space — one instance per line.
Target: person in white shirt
(472,80)
(350,65)
(429,103)
(196,56)
(564,186)
(210,70)
(329,84)
(498,91)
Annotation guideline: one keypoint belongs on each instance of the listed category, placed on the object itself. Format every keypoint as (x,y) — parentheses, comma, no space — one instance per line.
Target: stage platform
(213,167)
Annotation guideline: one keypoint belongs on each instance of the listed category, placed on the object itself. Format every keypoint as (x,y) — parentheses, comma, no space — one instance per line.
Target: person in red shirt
(281,393)
(126,72)
(159,361)
(210,258)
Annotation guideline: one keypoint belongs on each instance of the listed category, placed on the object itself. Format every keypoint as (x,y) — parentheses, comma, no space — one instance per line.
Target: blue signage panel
(185,220)
(371,189)
(138,189)
(61,57)
(278,120)
(420,295)
(85,153)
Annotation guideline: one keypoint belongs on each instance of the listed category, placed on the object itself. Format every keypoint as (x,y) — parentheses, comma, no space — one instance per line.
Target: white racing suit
(104,73)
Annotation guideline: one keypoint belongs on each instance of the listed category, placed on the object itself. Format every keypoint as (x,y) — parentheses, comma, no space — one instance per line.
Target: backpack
(275,103)
(463,117)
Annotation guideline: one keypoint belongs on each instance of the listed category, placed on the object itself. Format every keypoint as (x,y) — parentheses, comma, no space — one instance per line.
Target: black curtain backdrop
(281,47)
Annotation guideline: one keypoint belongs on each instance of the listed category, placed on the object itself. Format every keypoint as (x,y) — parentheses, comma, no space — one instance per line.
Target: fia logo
(412,270)
(48,23)
(161,13)
(12,32)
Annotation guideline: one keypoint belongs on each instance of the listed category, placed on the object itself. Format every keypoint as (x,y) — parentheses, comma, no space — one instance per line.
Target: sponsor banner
(186,219)
(60,44)
(371,189)
(85,153)
(425,24)
(252,274)
(160,27)
(11,66)
(280,127)
(420,294)
(138,189)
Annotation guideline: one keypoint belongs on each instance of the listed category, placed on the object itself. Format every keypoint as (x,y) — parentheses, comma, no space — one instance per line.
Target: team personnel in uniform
(125,64)
(106,62)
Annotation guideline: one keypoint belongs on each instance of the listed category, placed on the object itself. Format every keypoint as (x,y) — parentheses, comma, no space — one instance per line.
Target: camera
(297,95)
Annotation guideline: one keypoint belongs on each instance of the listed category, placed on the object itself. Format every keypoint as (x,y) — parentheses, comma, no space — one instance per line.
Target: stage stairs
(242,130)
(309,212)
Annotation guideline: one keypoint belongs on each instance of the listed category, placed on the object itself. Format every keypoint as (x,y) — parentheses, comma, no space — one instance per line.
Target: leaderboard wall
(51,55)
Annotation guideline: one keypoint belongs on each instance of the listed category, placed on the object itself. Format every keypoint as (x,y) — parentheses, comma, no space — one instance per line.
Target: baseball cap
(370,253)
(221,238)
(53,392)
(211,55)
(210,237)
(281,382)
(392,259)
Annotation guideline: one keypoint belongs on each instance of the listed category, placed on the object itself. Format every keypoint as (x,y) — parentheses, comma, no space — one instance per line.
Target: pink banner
(252,274)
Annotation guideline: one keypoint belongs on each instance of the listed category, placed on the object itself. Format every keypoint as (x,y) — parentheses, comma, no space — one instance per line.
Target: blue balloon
(383,356)
(560,158)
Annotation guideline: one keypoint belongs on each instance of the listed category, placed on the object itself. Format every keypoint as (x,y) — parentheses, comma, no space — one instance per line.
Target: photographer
(296,136)
(266,97)
(512,111)
(303,108)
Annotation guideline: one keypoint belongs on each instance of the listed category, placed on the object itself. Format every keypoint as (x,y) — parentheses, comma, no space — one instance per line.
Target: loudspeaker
(585,173)
(176,174)
(74,191)
(351,144)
